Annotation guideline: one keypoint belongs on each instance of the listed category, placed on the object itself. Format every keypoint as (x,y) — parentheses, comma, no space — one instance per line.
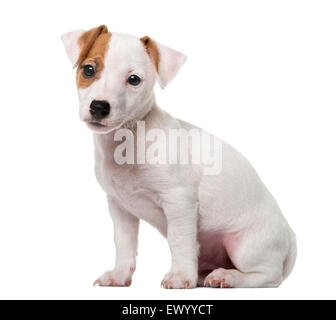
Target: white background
(260,74)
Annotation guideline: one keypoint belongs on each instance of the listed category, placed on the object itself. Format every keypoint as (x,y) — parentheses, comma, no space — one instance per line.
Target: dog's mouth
(97,126)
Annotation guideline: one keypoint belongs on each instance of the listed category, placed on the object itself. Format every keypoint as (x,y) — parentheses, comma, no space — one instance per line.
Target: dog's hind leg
(259,260)
(231,278)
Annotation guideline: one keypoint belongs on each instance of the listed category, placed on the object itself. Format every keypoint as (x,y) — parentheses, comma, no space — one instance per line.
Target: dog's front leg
(180,208)
(126,228)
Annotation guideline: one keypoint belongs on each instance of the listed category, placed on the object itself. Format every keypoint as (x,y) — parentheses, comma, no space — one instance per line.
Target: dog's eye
(133,80)
(89,71)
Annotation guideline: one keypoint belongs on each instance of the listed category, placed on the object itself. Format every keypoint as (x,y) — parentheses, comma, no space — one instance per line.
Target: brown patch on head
(93,44)
(152,50)
(86,41)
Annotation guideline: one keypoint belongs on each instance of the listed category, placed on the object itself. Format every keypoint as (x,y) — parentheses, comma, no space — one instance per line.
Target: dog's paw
(179,280)
(219,278)
(118,277)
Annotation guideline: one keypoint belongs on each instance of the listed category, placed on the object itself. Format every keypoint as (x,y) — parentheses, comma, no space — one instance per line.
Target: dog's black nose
(99,109)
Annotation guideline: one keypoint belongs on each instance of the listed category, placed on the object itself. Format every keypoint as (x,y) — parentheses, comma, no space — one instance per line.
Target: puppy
(224,228)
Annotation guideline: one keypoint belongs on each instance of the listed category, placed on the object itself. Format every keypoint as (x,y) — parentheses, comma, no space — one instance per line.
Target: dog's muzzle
(99,109)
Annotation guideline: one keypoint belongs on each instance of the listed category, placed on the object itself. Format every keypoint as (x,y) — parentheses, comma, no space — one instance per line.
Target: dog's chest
(120,182)
(125,185)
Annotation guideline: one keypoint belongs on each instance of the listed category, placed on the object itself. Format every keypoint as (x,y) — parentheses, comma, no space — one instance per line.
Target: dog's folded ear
(71,44)
(167,61)
(78,43)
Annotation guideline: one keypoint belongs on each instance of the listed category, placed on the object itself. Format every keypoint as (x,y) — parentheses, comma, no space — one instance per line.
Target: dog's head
(116,74)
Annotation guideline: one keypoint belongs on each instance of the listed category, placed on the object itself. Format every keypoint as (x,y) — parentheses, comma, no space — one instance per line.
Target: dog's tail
(291,257)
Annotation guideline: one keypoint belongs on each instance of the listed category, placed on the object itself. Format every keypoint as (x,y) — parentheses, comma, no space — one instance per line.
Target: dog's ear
(71,44)
(78,43)
(167,61)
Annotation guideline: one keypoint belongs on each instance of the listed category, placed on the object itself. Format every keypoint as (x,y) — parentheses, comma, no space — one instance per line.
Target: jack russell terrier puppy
(223,229)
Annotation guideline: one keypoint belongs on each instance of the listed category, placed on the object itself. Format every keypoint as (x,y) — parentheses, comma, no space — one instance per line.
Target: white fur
(169,64)
(199,214)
